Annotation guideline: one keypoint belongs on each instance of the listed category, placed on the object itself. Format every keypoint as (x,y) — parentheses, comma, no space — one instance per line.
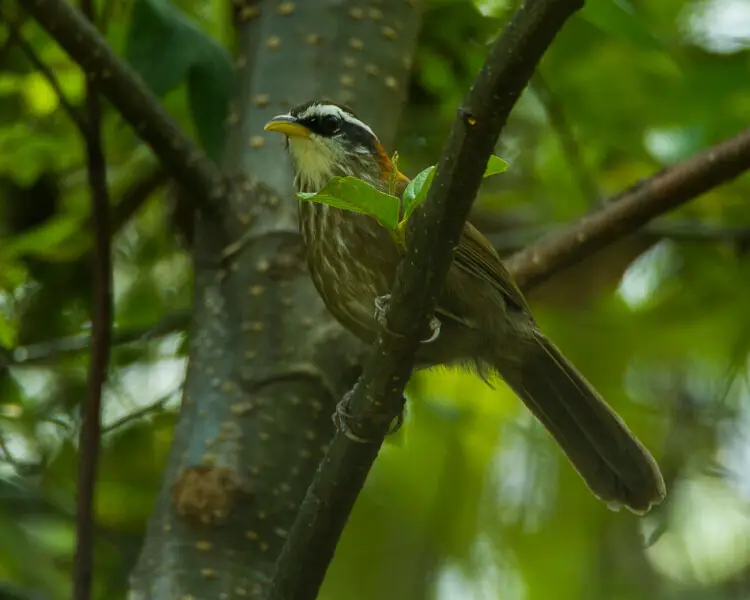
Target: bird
(485,323)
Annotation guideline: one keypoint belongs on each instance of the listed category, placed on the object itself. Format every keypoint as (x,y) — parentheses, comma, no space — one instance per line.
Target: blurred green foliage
(473,500)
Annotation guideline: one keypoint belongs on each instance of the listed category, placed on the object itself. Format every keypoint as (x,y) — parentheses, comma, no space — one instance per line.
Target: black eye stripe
(326,125)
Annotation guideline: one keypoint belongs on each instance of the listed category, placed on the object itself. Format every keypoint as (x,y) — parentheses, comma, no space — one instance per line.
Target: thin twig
(632,209)
(52,350)
(154,406)
(90,435)
(689,231)
(377,398)
(516,239)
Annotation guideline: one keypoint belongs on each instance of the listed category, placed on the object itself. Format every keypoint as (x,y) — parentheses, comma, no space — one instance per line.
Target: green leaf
(416,192)
(495,165)
(158,45)
(167,49)
(357,196)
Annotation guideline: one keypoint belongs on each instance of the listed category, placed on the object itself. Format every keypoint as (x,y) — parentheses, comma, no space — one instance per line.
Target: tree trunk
(266,363)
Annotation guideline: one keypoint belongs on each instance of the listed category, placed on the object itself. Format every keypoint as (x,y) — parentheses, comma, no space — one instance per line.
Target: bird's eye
(329,124)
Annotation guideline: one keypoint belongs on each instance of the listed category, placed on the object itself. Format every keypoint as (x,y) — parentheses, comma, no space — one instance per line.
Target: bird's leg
(342,416)
(381,307)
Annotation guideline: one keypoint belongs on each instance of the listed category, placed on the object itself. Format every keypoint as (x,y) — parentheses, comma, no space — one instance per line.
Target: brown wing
(476,256)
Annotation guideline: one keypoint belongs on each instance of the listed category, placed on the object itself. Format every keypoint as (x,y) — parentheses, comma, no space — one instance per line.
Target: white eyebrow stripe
(329,109)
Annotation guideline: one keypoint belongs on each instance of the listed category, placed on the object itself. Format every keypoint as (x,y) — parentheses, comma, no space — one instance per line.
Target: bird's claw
(381,307)
(435,328)
(342,416)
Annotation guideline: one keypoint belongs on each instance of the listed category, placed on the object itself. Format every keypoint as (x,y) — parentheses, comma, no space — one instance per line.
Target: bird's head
(325,140)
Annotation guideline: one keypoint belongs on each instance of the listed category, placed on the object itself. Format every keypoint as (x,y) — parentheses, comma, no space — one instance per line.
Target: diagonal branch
(377,398)
(632,209)
(127,92)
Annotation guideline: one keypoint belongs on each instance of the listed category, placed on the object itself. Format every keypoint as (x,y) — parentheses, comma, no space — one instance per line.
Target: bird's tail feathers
(614,464)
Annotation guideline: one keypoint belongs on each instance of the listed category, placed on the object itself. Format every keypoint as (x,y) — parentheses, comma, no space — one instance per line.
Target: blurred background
(471,499)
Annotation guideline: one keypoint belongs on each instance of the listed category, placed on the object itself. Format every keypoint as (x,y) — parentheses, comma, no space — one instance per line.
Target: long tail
(613,463)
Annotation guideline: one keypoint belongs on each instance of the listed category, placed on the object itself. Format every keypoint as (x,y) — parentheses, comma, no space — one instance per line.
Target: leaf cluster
(390,211)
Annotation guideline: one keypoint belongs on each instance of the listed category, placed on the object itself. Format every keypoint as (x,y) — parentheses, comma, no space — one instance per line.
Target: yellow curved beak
(287,125)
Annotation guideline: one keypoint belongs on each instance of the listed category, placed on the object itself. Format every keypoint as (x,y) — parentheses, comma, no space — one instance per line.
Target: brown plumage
(486,323)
